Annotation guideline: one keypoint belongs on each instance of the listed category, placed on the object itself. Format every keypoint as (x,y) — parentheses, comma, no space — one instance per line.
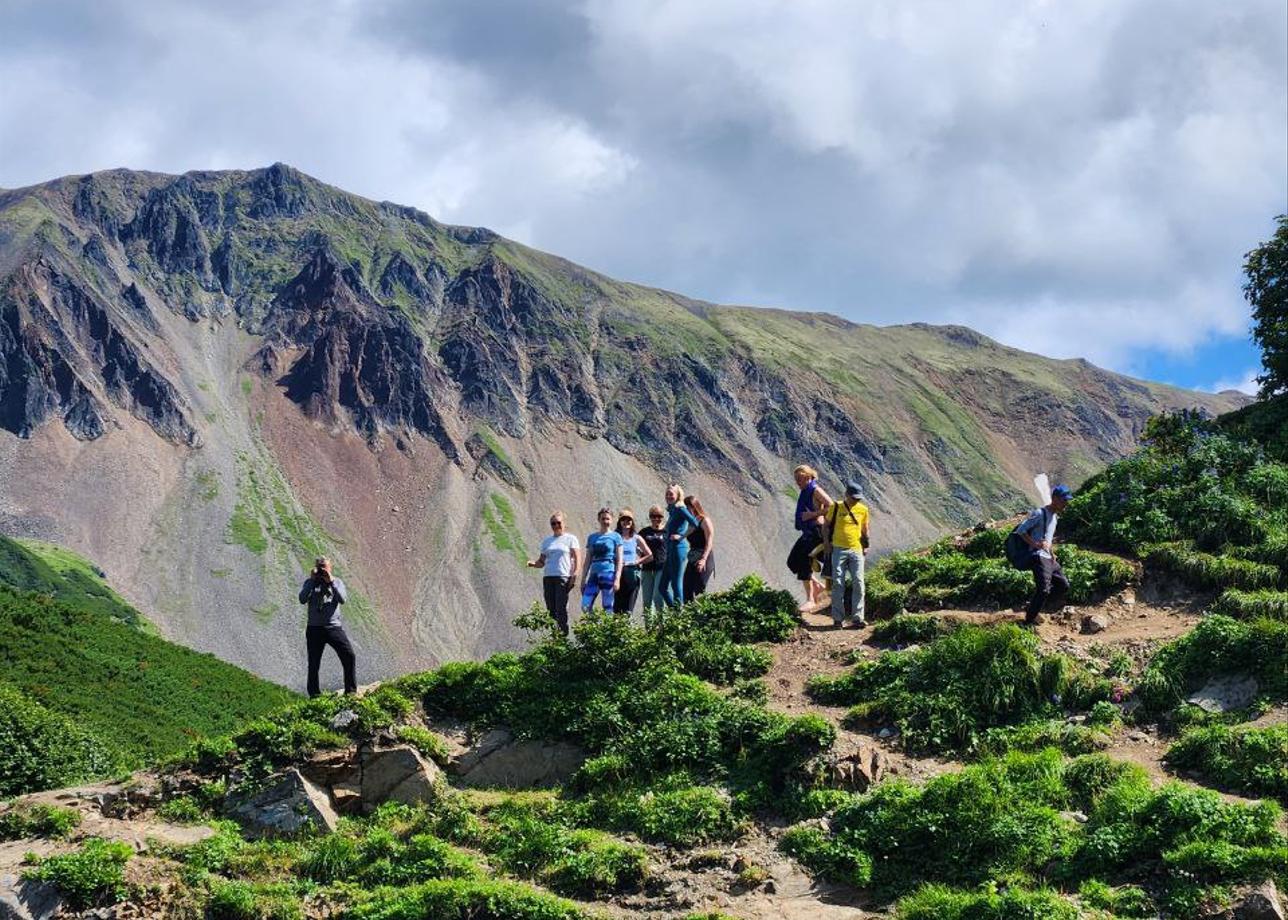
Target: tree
(1266,269)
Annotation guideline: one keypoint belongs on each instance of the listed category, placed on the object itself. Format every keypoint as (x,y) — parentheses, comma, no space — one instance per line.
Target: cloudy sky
(1077,177)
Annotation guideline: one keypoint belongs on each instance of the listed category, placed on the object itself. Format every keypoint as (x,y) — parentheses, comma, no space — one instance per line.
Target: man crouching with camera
(324,593)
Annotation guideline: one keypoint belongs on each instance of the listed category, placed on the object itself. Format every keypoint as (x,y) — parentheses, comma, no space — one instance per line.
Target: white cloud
(1245,384)
(1101,164)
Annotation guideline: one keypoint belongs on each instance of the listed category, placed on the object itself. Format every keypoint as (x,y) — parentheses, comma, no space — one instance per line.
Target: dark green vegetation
(1216,647)
(973,572)
(44,568)
(86,692)
(1241,758)
(951,693)
(1207,508)
(1003,819)
(37,820)
(92,876)
(1266,289)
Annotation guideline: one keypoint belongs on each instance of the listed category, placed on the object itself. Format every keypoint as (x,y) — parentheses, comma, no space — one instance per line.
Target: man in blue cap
(1038,531)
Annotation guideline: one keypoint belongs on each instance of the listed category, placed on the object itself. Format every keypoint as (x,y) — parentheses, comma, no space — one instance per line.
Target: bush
(40,749)
(38,820)
(1238,758)
(1127,901)
(247,901)
(1217,646)
(671,811)
(1252,605)
(907,629)
(946,695)
(750,611)
(939,902)
(425,741)
(1000,820)
(92,876)
(1206,572)
(464,900)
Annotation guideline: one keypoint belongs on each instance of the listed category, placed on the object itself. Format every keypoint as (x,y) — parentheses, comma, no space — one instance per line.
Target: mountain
(207,379)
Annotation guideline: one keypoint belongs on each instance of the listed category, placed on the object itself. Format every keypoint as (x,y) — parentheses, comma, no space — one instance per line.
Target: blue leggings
(677,560)
(599,581)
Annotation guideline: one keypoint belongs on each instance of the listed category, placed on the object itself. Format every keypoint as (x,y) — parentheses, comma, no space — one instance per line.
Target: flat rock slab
(399,774)
(501,760)
(27,899)
(287,804)
(1226,693)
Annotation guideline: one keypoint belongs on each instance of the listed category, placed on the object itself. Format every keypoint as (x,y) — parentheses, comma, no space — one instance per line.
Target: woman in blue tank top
(635,554)
(679,522)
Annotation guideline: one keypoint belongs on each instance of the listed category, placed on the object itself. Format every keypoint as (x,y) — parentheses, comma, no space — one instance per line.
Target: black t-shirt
(657,542)
(697,542)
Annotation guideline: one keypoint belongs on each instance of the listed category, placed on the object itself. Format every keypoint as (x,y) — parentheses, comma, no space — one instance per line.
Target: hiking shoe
(857,624)
(1034,620)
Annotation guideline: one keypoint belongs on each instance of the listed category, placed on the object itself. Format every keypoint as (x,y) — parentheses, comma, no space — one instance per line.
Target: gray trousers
(651,588)
(847,562)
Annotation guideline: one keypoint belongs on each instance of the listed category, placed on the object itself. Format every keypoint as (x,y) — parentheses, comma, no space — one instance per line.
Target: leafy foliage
(1217,646)
(93,875)
(1238,758)
(38,820)
(1002,819)
(1251,605)
(40,749)
(1266,289)
(44,568)
(946,695)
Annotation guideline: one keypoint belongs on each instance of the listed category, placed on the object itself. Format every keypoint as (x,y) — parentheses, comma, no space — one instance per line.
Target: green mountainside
(81,671)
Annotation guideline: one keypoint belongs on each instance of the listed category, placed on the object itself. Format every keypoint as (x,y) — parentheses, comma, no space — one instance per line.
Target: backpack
(1018,551)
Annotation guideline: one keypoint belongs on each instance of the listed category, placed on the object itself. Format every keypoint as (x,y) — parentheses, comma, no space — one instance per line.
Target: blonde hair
(809,471)
(679,492)
(657,509)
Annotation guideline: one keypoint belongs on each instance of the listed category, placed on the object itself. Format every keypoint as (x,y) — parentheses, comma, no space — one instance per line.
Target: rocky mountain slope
(206,379)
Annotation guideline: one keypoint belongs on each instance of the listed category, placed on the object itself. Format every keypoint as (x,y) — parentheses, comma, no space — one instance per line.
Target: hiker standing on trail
(559,559)
(845,538)
(603,575)
(702,557)
(811,511)
(680,522)
(635,554)
(1038,531)
(654,536)
(324,593)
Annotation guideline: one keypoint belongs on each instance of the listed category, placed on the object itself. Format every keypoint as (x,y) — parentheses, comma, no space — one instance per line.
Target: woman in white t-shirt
(560,555)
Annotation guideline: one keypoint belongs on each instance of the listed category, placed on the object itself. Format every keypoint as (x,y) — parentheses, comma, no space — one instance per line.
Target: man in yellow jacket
(845,537)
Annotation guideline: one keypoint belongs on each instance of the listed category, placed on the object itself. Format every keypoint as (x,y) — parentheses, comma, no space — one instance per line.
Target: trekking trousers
(847,562)
(555,589)
(630,589)
(696,582)
(677,560)
(1049,584)
(651,585)
(317,638)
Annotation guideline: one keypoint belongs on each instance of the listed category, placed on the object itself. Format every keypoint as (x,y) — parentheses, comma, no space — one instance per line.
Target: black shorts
(798,560)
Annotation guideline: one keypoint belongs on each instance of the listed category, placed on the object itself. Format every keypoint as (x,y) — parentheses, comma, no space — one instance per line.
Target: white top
(1033,527)
(558,553)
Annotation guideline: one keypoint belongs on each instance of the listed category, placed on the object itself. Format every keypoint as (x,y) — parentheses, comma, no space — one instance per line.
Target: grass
(501,524)
(45,568)
(1244,759)
(1002,820)
(947,695)
(92,876)
(1252,605)
(140,696)
(1216,647)
(38,820)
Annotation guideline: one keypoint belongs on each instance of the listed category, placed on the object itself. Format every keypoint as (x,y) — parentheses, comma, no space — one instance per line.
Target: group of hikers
(671,561)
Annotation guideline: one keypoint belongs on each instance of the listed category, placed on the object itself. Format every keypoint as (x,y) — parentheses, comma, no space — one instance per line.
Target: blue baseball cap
(1062,492)
(854,489)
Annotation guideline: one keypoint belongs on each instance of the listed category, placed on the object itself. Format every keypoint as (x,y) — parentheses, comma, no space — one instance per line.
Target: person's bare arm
(822,502)
(617,569)
(643,555)
(710,530)
(575,561)
(538,562)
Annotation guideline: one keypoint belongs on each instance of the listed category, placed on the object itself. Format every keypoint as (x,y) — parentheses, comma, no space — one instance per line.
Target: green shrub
(672,811)
(425,741)
(38,820)
(234,900)
(1127,901)
(1206,572)
(1238,758)
(1217,646)
(907,629)
(946,695)
(884,598)
(1070,738)
(750,611)
(92,876)
(939,902)
(41,749)
(457,899)
(183,809)
(1252,605)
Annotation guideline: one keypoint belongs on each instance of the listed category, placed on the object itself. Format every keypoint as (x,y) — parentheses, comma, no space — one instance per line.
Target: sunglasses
(556,523)
(655,517)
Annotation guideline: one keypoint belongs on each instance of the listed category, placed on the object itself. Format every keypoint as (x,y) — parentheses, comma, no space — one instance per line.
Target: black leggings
(556,593)
(624,601)
(318,638)
(695,582)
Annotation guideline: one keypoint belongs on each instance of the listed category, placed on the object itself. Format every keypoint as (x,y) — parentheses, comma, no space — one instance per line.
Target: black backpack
(1018,552)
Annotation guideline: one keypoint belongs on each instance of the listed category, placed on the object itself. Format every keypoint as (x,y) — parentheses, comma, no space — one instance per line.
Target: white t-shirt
(1033,527)
(558,553)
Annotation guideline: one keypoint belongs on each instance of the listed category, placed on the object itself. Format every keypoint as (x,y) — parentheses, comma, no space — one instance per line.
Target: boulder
(288,803)
(499,759)
(857,770)
(28,899)
(1226,693)
(397,774)
(1259,903)
(1093,623)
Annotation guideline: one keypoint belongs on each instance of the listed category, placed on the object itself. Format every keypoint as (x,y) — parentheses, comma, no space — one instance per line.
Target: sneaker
(1034,620)
(858,624)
